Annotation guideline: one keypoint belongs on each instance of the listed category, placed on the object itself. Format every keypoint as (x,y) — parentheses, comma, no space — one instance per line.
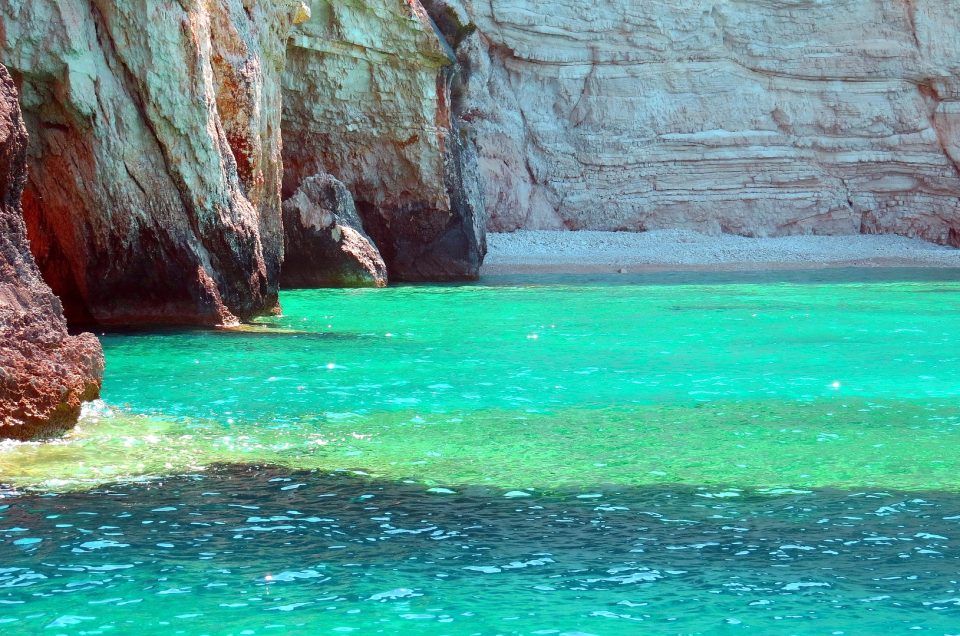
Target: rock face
(367,99)
(755,117)
(45,373)
(324,241)
(154,188)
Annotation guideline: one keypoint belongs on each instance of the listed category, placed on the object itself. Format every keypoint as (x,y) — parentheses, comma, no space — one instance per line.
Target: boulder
(324,241)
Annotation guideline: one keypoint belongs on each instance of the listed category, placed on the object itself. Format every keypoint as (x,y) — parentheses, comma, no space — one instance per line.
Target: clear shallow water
(683,454)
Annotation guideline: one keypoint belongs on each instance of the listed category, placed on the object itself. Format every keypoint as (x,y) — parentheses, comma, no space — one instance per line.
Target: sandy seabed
(535,251)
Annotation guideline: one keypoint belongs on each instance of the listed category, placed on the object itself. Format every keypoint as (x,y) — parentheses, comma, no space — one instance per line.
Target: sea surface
(695,453)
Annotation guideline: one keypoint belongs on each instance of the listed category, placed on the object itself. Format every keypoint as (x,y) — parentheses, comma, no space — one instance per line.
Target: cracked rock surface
(367,99)
(154,187)
(325,244)
(754,117)
(45,374)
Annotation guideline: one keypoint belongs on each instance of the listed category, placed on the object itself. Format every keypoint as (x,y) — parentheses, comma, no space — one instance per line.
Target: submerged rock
(754,118)
(367,99)
(324,241)
(45,374)
(154,189)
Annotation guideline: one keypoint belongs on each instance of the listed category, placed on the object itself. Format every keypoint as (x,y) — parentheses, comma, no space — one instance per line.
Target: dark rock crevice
(400,145)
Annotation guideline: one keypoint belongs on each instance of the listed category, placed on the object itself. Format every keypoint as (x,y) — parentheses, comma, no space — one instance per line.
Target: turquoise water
(677,454)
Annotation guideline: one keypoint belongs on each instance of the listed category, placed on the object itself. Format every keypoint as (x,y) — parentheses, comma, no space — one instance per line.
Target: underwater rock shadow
(342,518)
(253,332)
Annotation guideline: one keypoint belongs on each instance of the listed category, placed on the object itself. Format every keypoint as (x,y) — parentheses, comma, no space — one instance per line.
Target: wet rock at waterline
(324,241)
(154,186)
(45,374)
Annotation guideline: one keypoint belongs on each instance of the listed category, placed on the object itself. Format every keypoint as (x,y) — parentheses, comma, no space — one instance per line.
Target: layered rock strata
(154,189)
(45,374)
(367,99)
(324,241)
(755,117)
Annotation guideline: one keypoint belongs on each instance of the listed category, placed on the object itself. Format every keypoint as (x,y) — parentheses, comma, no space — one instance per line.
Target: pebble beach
(530,251)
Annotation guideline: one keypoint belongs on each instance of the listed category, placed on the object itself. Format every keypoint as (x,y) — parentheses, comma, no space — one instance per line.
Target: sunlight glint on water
(778,456)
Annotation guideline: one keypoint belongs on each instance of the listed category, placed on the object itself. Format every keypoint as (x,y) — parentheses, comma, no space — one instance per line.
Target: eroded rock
(367,99)
(324,241)
(154,190)
(45,374)
(755,117)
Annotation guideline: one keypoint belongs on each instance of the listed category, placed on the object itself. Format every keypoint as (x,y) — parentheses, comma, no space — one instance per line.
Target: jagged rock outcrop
(324,241)
(154,190)
(367,99)
(45,374)
(755,117)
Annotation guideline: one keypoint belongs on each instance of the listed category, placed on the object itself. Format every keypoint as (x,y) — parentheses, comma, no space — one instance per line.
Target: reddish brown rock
(154,190)
(324,241)
(45,374)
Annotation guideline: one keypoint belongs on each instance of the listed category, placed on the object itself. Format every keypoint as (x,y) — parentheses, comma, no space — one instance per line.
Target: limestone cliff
(756,117)
(45,373)
(154,194)
(367,99)
(154,189)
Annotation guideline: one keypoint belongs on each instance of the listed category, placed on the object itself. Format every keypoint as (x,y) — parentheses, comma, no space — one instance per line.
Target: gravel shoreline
(529,251)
